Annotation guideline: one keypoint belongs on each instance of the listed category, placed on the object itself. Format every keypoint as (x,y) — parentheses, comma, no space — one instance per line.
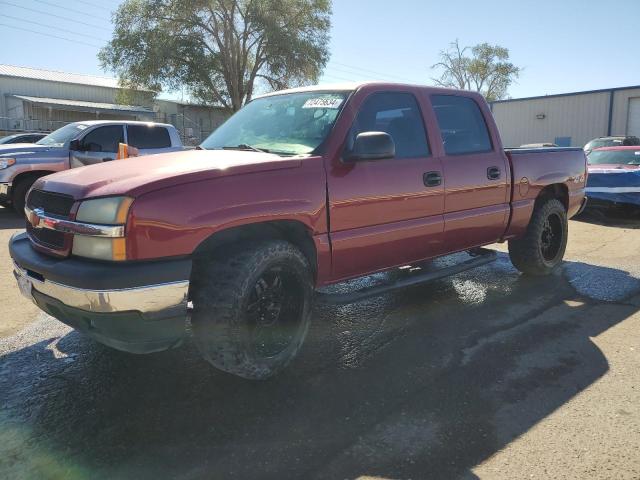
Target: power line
(101,7)
(77,12)
(370,71)
(49,26)
(337,77)
(50,35)
(368,75)
(67,19)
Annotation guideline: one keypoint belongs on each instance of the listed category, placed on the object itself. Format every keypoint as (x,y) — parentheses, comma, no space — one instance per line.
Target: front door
(385,213)
(476,173)
(98,145)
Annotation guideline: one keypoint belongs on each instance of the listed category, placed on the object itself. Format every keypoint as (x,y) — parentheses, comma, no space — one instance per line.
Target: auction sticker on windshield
(323,102)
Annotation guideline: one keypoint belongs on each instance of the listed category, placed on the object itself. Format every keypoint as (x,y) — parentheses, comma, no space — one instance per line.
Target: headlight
(100,248)
(105,211)
(102,211)
(6,162)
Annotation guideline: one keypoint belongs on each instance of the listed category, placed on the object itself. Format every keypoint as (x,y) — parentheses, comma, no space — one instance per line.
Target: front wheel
(542,247)
(19,193)
(251,307)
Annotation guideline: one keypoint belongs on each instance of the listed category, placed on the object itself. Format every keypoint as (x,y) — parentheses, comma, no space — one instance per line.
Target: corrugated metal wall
(41,88)
(201,118)
(620,118)
(580,117)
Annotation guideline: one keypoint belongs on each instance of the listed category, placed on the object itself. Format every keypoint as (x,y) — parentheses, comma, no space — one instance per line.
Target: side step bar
(481,256)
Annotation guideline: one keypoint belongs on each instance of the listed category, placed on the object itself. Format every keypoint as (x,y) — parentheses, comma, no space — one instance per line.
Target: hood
(612,168)
(18,150)
(139,175)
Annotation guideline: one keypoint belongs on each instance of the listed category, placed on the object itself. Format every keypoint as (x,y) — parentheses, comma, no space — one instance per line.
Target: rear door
(382,212)
(98,145)
(148,139)
(476,173)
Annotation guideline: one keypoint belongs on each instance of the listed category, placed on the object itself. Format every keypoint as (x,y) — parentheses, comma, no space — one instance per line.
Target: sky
(562,45)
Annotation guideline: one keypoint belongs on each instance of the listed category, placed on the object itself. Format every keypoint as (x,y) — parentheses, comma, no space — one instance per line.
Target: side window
(103,139)
(143,136)
(461,124)
(398,115)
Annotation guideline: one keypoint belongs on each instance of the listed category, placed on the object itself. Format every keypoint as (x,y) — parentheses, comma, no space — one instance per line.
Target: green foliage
(487,70)
(129,95)
(222,51)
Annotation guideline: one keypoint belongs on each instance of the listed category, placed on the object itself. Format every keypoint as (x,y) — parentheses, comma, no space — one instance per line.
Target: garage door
(633,125)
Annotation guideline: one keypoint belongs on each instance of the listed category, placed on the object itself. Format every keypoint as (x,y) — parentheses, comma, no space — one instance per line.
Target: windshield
(290,124)
(623,157)
(61,136)
(612,142)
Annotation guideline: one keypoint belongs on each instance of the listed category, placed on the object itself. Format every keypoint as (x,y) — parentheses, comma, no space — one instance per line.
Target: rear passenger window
(461,124)
(148,137)
(398,115)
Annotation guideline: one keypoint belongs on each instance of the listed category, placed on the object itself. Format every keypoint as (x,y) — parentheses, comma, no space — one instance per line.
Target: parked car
(298,190)
(614,176)
(30,137)
(76,145)
(615,141)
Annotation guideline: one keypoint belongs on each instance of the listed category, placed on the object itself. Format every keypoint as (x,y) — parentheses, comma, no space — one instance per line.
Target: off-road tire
(19,193)
(527,253)
(222,288)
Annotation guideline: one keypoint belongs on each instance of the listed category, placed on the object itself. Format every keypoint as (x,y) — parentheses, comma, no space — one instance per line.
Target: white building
(43,100)
(569,119)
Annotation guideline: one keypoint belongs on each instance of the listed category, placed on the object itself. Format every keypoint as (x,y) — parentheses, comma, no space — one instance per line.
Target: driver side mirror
(372,146)
(74,145)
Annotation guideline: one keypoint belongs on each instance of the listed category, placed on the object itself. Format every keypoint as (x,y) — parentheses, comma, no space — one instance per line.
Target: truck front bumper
(136,307)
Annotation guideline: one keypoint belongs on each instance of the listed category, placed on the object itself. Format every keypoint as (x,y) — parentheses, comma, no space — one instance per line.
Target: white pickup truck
(76,145)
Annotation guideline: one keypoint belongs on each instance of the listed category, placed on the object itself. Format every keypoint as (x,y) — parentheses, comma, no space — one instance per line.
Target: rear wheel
(251,307)
(542,247)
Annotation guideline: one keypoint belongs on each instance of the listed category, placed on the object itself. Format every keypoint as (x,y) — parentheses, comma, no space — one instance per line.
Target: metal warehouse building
(569,119)
(43,100)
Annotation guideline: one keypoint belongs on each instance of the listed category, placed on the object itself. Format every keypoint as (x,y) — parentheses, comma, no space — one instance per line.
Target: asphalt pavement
(487,374)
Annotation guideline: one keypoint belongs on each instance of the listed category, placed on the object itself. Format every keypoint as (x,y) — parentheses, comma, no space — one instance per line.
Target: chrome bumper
(5,188)
(148,299)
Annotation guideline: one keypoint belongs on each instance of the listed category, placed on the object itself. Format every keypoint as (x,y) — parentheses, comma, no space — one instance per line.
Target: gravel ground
(487,374)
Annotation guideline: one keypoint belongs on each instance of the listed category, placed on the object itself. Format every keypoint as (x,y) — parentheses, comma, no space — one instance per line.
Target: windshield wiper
(244,146)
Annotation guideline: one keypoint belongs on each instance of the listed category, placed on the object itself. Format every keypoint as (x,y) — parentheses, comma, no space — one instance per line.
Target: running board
(481,256)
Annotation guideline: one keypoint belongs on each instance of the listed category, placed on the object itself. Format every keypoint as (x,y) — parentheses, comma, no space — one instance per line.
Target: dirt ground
(17,311)
(487,374)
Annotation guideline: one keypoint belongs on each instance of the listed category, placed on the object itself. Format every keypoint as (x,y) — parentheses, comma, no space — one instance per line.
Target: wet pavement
(486,374)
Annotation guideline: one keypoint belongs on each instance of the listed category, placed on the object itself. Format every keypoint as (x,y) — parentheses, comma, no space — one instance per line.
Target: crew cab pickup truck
(298,190)
(76,145)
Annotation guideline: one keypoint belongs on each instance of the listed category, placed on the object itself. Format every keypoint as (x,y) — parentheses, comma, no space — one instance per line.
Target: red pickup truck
(298,190)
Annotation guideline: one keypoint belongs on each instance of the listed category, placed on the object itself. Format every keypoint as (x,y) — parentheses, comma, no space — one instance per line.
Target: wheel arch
(556,190)
(35,174)
(293,231)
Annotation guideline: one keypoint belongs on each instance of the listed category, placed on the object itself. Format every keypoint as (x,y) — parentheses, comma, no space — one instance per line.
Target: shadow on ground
(424,383)
(10,219)
(609,216)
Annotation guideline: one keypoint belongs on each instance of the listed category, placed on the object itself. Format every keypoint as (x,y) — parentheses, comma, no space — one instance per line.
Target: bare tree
(487,70)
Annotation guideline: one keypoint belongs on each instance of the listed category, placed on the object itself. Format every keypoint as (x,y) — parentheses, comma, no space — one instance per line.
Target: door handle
(432,179)
(107,159)
(493,173)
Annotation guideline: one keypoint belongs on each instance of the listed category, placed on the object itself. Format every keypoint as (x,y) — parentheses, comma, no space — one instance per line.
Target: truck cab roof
(353,86)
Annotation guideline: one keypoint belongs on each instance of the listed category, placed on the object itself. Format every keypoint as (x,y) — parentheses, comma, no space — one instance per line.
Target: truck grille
(47,238)
(52,203)
(56,205)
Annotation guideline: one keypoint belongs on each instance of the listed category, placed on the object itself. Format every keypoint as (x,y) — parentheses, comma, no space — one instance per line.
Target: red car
(300,189)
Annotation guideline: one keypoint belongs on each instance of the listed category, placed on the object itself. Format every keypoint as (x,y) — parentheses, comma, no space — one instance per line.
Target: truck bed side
(536,170)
